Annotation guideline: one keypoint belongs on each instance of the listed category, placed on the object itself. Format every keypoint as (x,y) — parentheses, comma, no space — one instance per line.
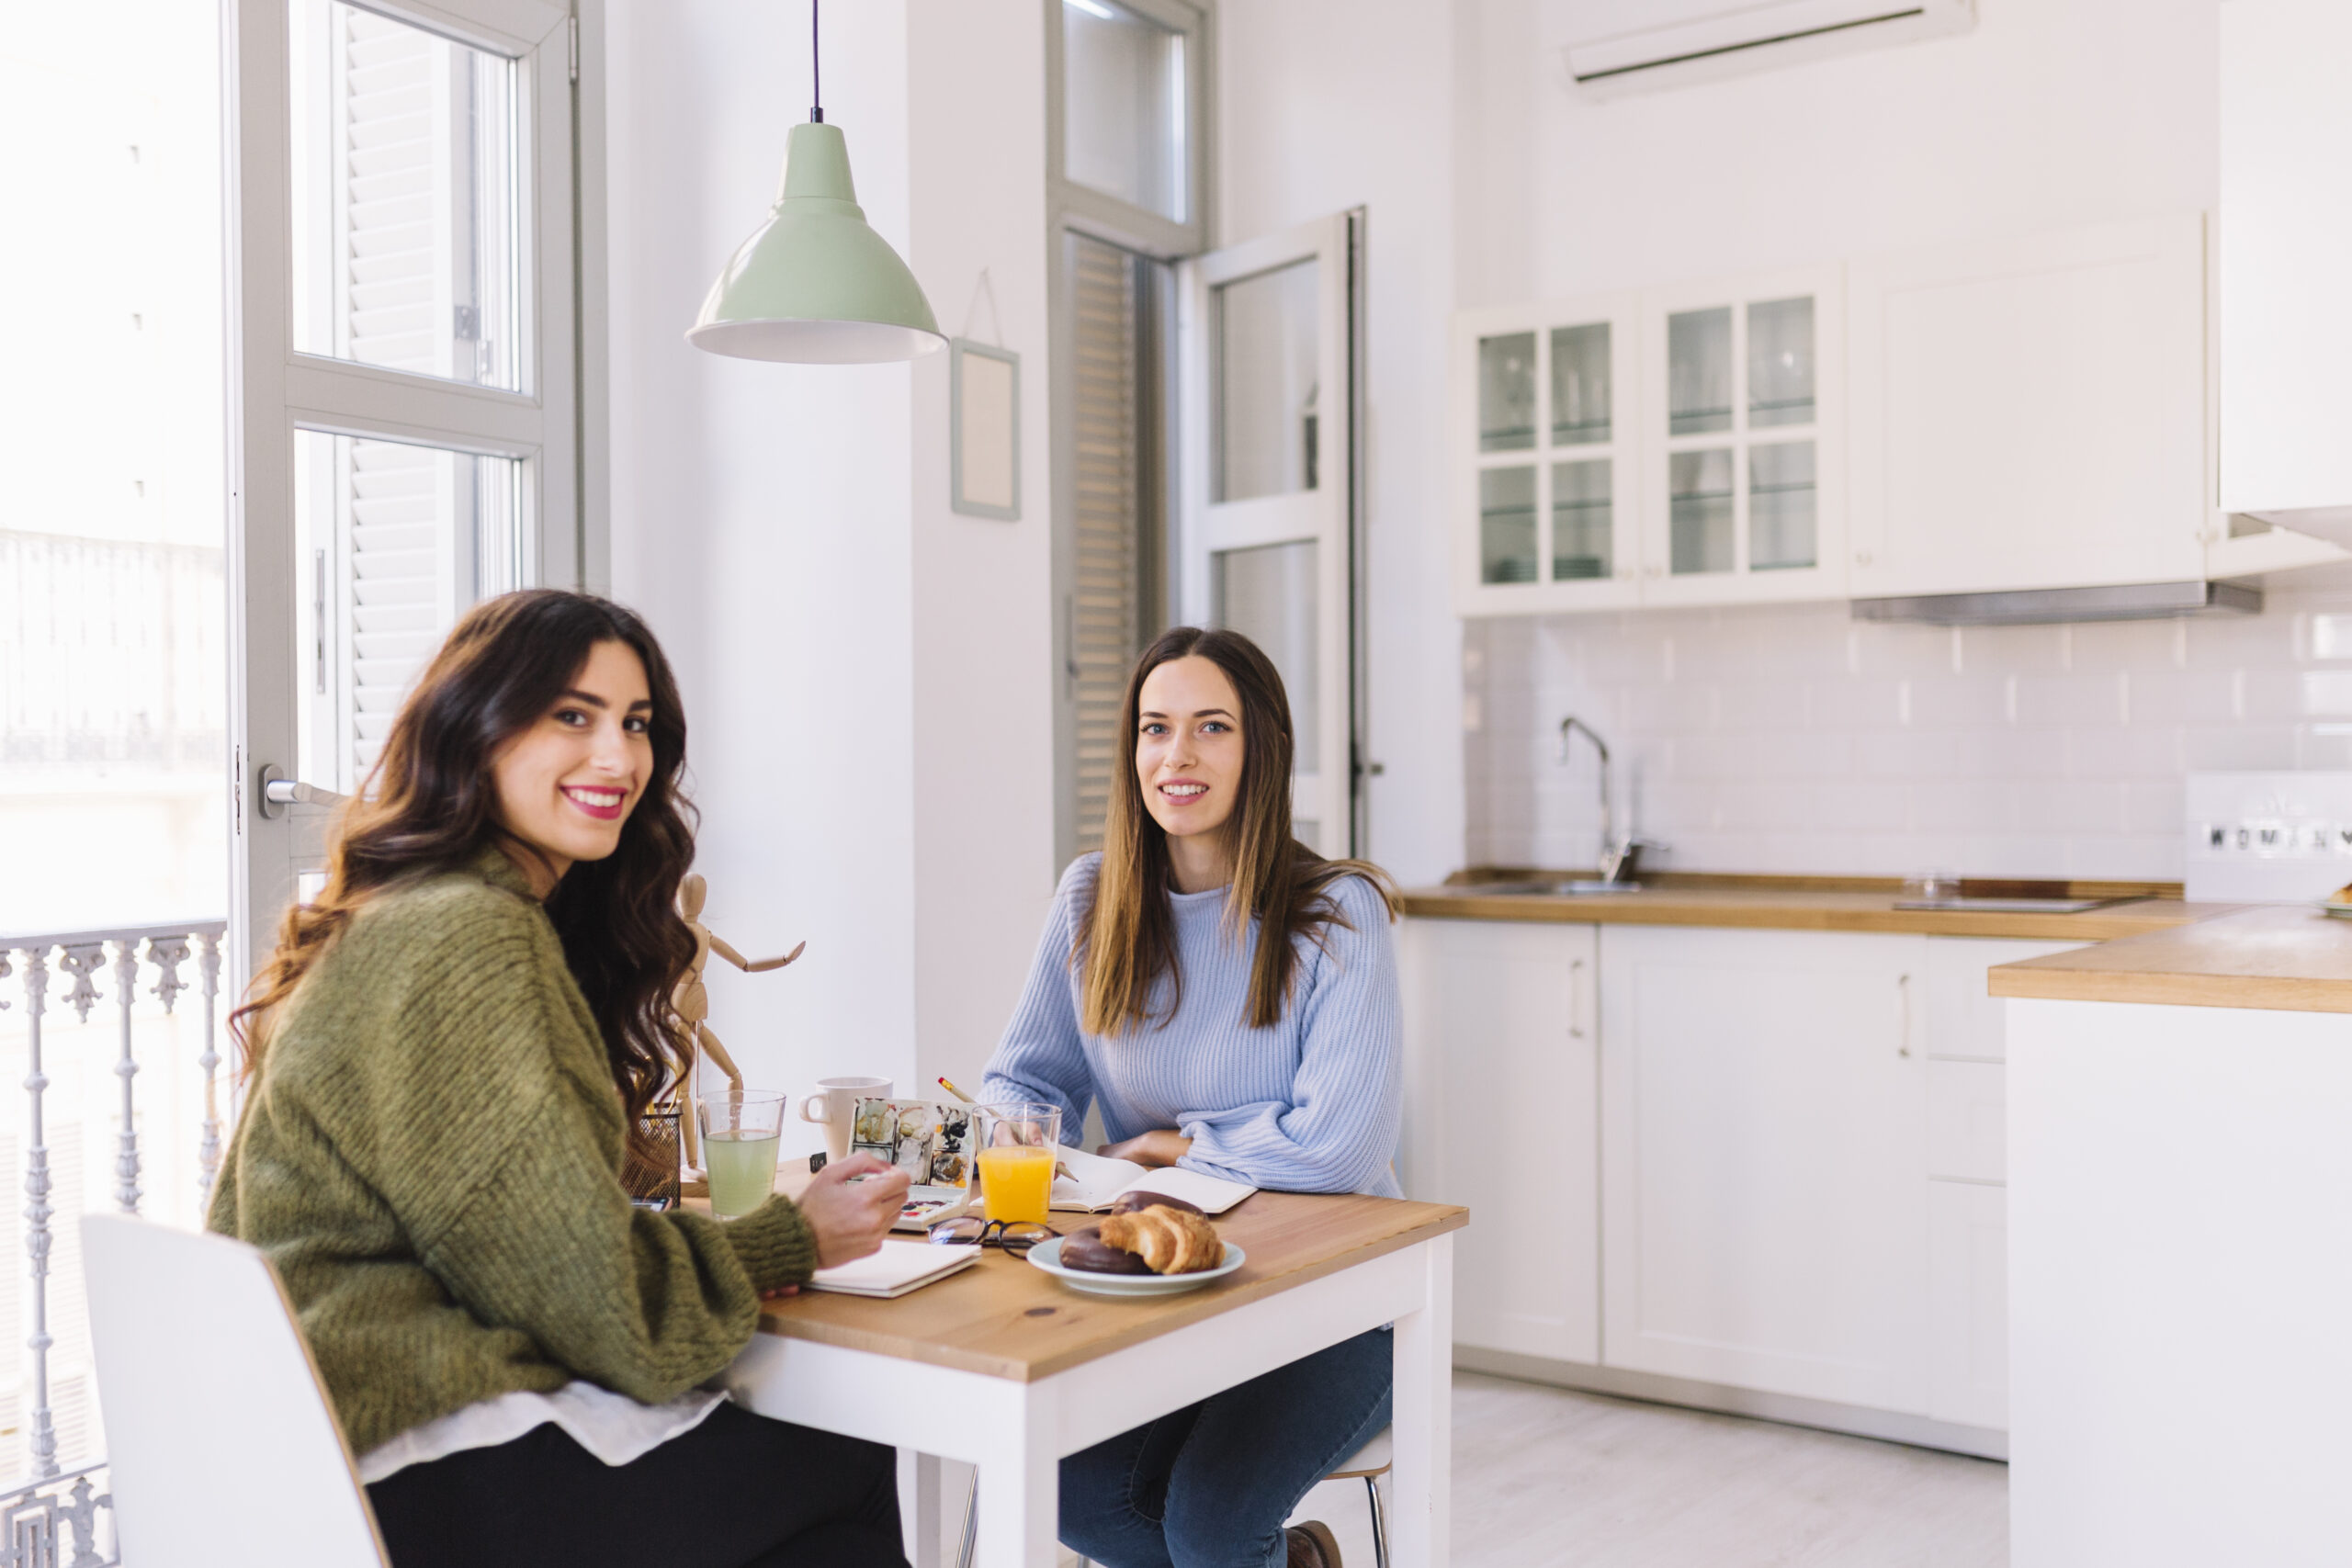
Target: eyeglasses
(1013,1236)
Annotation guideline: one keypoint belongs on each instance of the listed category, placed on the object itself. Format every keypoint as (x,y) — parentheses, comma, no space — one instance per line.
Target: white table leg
(923,1520)
(1422,1484)
(1019,1481)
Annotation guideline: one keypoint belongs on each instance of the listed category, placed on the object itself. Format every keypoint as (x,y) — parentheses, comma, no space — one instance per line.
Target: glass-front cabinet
(1544,427)
(1742,417)
(1677,446)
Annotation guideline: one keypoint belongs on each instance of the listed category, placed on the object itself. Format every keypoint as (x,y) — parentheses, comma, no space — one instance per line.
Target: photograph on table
(928,1140)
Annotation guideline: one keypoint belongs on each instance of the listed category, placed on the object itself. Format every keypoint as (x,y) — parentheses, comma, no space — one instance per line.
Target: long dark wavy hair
(1127,939)
(426,807)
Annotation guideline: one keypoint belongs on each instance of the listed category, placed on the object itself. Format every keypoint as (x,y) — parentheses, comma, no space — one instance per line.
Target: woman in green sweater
(448,1052)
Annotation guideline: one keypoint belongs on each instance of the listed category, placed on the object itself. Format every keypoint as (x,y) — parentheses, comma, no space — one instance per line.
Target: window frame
(1158,242)
(276,390)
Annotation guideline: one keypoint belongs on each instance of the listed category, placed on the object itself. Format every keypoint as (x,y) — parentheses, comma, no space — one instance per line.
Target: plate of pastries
(1147,1246)
(2338,903)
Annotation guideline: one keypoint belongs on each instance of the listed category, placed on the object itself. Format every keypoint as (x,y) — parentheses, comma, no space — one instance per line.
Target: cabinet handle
(1575,999)
(1903,987)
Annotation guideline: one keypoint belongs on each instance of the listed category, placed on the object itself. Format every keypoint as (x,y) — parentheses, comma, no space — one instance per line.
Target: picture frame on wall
(983,430)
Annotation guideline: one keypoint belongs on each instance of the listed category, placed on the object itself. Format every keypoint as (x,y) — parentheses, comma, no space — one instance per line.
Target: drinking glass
(1015,1146)
(741,1131)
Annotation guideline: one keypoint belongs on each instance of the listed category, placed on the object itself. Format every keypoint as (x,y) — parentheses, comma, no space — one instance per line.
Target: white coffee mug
(835,1105)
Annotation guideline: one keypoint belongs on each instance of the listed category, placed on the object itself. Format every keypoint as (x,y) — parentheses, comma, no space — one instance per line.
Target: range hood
(2044,606)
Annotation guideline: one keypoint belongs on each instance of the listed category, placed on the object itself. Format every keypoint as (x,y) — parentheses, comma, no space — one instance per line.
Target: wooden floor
(1547,1478)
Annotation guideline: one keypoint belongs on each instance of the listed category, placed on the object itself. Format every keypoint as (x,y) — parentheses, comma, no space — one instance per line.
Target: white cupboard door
(1742,403)
(1763,1181)
(1968,1289)
(1267,340)
(2286,227)
(1964,1019)
(1547,447)
(1500,1032)
(2030,413)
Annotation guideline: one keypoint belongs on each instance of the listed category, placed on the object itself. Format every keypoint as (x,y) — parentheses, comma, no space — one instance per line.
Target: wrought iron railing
(56,1519)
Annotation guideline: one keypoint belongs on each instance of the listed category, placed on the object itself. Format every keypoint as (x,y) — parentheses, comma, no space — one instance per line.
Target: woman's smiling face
(568,780)
(1189,745)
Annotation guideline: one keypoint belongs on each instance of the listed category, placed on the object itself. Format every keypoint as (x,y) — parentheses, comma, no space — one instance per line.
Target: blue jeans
(1210,1486)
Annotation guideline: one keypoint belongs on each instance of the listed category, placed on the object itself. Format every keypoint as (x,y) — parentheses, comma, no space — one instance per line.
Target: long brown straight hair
(426,807)
(1126,940)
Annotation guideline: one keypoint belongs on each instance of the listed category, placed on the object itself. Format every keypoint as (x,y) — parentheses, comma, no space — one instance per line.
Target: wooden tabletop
(1801,907)
(1002,1319)
(2276,957)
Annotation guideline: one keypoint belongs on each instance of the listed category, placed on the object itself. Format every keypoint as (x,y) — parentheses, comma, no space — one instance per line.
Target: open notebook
(1089,1183)
(899,1266)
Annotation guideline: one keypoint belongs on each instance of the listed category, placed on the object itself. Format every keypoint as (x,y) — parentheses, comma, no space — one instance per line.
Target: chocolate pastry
(1086,1250)
(1171,1240)
(1130,1203)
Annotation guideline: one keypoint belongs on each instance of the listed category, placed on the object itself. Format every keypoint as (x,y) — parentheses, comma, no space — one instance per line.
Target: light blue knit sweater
(1308,1105)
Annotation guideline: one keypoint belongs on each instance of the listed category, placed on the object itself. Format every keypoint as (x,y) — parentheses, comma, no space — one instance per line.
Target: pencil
(956,1092)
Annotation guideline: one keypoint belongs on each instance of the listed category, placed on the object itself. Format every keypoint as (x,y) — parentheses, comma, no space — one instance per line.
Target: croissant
(1169,1240)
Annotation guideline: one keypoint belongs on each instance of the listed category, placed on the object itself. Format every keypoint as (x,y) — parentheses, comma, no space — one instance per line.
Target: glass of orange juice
(1014,1148)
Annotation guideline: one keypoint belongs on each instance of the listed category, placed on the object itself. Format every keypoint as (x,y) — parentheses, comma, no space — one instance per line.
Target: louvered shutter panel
(394,179)
(1105,613)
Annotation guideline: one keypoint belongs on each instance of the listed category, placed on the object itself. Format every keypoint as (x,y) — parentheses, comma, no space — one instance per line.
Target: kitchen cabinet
(1764,1200)
(1503,1101)
(1782,1151)
(2285,227)
(1548,487)
(1681,445)
(1743,425)
(2032,412)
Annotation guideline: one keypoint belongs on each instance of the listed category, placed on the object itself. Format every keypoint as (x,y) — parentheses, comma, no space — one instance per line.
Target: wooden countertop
(2277,957)
(1001,1318)
(1809,904)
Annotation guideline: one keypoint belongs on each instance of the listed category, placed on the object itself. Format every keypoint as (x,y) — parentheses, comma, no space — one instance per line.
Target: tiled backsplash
(1791,739)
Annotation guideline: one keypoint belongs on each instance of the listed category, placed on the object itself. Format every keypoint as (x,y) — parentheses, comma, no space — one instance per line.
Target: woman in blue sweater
(1227,998)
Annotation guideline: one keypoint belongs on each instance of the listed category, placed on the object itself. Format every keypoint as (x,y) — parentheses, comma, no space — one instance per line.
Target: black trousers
(739,1491)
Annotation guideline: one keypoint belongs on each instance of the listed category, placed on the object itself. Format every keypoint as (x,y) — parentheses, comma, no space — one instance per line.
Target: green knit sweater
(432,1158)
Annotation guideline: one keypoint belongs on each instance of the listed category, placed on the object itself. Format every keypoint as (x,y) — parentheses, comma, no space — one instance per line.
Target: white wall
(1784,739)
(1325,105)
(866,675)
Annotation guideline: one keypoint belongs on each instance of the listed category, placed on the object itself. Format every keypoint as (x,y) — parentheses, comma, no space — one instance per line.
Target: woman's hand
(1161,1146)
(847,1221)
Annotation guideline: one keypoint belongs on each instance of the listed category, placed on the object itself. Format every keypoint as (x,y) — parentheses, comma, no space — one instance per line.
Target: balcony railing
(57,1518)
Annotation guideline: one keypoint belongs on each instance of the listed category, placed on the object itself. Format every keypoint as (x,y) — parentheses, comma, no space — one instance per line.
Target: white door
(1500,1030)
(1764,1167)
(1267,548)
(405,331)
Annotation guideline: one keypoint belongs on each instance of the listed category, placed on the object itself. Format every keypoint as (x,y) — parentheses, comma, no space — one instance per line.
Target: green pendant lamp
(815,284)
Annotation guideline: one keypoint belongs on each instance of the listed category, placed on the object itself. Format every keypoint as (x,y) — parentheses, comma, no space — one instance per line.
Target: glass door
(1544,439)
(1268,544)
(1746,407)
(406,343)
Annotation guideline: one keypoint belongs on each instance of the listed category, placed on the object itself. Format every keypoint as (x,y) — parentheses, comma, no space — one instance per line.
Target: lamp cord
(816,75)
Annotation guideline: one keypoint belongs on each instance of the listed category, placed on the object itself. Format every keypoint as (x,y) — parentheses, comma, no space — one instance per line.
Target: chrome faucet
(1618,856)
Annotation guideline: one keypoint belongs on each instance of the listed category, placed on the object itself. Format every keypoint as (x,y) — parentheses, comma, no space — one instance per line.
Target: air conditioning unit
(1627,46)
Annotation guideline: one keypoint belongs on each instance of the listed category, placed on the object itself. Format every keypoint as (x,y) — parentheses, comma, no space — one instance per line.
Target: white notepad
(1094,1180)
(899,1266)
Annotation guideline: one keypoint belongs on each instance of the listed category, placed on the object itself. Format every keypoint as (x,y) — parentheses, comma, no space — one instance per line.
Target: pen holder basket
(650,1167)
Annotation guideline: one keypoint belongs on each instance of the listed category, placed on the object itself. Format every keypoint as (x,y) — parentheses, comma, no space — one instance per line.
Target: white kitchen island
(2180,1247)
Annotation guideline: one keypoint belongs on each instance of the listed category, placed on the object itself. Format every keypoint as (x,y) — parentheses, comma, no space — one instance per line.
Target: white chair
(1369,1463)
(223,1450)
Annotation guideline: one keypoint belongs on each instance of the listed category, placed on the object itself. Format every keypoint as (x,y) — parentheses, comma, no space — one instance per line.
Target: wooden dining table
(1007,1368)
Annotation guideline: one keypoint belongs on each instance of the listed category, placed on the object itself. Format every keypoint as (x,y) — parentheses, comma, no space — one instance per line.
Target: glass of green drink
(741,1129)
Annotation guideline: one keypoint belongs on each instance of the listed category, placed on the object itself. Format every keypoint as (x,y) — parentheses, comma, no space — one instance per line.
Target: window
(409,382)
(1125,166)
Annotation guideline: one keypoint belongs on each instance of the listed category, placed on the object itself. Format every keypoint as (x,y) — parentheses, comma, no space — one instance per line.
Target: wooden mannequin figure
(690,1001)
